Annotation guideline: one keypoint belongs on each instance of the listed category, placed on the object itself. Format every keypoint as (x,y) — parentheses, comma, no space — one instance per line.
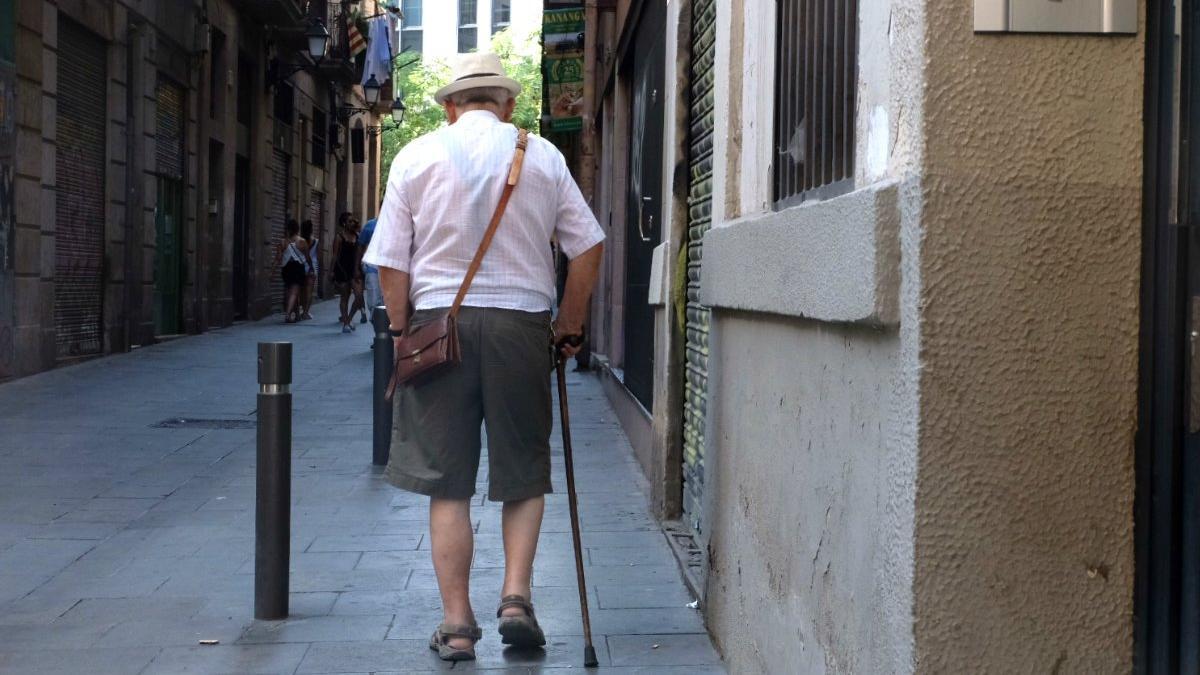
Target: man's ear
(451,111)
(509,107)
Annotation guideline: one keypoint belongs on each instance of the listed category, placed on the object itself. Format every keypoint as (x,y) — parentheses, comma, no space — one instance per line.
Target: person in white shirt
(441,193)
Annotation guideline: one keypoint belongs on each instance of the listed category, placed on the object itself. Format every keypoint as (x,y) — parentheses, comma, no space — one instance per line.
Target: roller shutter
(281,163)
(79,193)
(699,220)
(316,213)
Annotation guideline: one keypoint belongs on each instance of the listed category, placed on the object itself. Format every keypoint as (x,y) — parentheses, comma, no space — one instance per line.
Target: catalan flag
(358,43)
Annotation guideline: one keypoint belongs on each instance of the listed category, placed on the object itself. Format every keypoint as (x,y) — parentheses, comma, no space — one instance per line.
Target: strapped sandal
(440,642)
(519,630)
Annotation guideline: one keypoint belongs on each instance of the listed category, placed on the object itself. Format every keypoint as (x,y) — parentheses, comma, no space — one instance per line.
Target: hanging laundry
(379,52)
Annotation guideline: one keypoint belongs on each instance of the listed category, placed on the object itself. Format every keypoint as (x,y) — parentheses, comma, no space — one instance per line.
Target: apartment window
(216,73)
(245,89)
(501,15)
(468,34)
(411,31)
(320,129)
(285,103)
(816,66)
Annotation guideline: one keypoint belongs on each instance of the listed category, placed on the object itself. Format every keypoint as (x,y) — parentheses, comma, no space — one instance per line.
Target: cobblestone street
(127,537)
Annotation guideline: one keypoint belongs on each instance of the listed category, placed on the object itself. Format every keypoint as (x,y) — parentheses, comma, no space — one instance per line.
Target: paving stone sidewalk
(125,541)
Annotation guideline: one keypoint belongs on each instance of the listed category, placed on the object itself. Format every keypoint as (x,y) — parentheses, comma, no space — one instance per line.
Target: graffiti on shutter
(316,213)
(280,179)
(699,219)
(79,193)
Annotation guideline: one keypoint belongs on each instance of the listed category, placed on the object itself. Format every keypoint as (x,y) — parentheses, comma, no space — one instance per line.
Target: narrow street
(127,532)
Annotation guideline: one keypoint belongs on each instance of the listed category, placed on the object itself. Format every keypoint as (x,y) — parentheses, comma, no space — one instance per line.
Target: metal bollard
(382,422)
(273,502)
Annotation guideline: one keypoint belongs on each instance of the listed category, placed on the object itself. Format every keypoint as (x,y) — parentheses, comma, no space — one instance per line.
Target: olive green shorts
(503,384)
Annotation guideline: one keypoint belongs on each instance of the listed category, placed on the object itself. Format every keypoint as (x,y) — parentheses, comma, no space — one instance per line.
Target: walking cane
(589,652)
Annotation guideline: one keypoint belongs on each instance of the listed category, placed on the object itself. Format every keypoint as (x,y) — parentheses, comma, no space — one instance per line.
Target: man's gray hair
(496,95)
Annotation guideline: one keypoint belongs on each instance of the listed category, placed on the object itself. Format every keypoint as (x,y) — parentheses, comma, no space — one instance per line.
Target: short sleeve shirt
(441,192)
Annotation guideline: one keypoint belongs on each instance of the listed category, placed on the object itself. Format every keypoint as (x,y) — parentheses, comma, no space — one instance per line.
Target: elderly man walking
(442,191)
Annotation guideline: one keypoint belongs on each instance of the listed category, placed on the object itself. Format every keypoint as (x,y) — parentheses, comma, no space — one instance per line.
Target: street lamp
(398,110)
(371,91)
(318,40)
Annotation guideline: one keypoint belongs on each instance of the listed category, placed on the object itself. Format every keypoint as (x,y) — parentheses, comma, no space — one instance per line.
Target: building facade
(159,148)
(884,300)
(440,29)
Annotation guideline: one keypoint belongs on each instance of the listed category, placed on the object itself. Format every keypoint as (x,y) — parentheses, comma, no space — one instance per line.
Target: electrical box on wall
(1118,17)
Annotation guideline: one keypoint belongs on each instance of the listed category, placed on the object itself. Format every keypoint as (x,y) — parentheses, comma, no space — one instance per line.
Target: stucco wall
(799,467)
(1030,268)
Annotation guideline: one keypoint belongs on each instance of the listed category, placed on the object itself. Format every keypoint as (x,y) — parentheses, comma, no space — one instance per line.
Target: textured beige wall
(1030,272)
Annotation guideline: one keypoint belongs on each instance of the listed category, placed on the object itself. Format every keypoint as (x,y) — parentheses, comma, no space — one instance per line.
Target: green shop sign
(562,35)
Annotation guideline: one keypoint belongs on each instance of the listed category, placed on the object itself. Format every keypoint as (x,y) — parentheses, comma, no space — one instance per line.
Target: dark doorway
(168,211)
(241,237)
(1167,511)
(644,201)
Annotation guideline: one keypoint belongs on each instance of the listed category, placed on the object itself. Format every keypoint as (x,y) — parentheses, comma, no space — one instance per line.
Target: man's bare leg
(453,544)
(521,522)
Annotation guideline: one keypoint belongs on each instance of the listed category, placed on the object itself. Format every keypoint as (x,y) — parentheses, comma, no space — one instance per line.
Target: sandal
(440,642)
(518,630)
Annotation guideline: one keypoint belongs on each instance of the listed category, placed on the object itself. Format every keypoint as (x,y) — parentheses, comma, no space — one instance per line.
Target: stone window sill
(836,260)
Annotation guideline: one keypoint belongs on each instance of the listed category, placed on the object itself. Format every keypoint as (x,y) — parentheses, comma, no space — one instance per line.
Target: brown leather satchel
(432,347)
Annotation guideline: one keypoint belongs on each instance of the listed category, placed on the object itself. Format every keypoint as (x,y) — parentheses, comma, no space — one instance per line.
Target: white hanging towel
(379,52)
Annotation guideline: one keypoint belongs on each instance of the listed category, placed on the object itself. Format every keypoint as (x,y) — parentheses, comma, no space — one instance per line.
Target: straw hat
(475,70)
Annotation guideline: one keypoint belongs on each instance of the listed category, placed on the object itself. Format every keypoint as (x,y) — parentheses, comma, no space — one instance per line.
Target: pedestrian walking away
(443,191)
(312,268)
(347,278)
(372,294)
(291,257)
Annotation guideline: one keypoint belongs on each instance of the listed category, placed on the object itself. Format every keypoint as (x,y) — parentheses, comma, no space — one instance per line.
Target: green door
(168,258)
(168,210)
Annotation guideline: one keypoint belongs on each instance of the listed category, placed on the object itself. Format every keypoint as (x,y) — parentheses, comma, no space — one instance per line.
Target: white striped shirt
(441,192)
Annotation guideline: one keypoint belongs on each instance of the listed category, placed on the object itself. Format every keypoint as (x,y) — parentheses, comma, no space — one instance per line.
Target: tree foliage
(521,56)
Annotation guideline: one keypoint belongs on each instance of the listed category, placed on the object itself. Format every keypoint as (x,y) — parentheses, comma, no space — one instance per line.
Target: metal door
(241,237)
(1167,508)
(700,164)
(316,213)
(79,193)
(168,210)
(644,202)
(280,180)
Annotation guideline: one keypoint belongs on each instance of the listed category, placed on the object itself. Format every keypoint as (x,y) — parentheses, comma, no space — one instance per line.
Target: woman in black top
(346,275)
(292,252)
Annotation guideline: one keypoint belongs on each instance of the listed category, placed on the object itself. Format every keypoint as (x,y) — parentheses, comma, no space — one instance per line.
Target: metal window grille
(468,35)
(412,40)
(501,14)
(815,79)
(411,11)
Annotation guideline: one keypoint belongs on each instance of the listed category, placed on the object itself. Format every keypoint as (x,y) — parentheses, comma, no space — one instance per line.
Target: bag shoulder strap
(513,174)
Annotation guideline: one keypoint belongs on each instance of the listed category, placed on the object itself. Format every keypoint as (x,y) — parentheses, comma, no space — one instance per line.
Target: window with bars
(815,79)
(501,15)
(468,31)
(320,129)
(412,34)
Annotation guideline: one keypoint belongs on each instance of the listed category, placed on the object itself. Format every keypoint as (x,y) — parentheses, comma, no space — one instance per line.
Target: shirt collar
(480,116)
